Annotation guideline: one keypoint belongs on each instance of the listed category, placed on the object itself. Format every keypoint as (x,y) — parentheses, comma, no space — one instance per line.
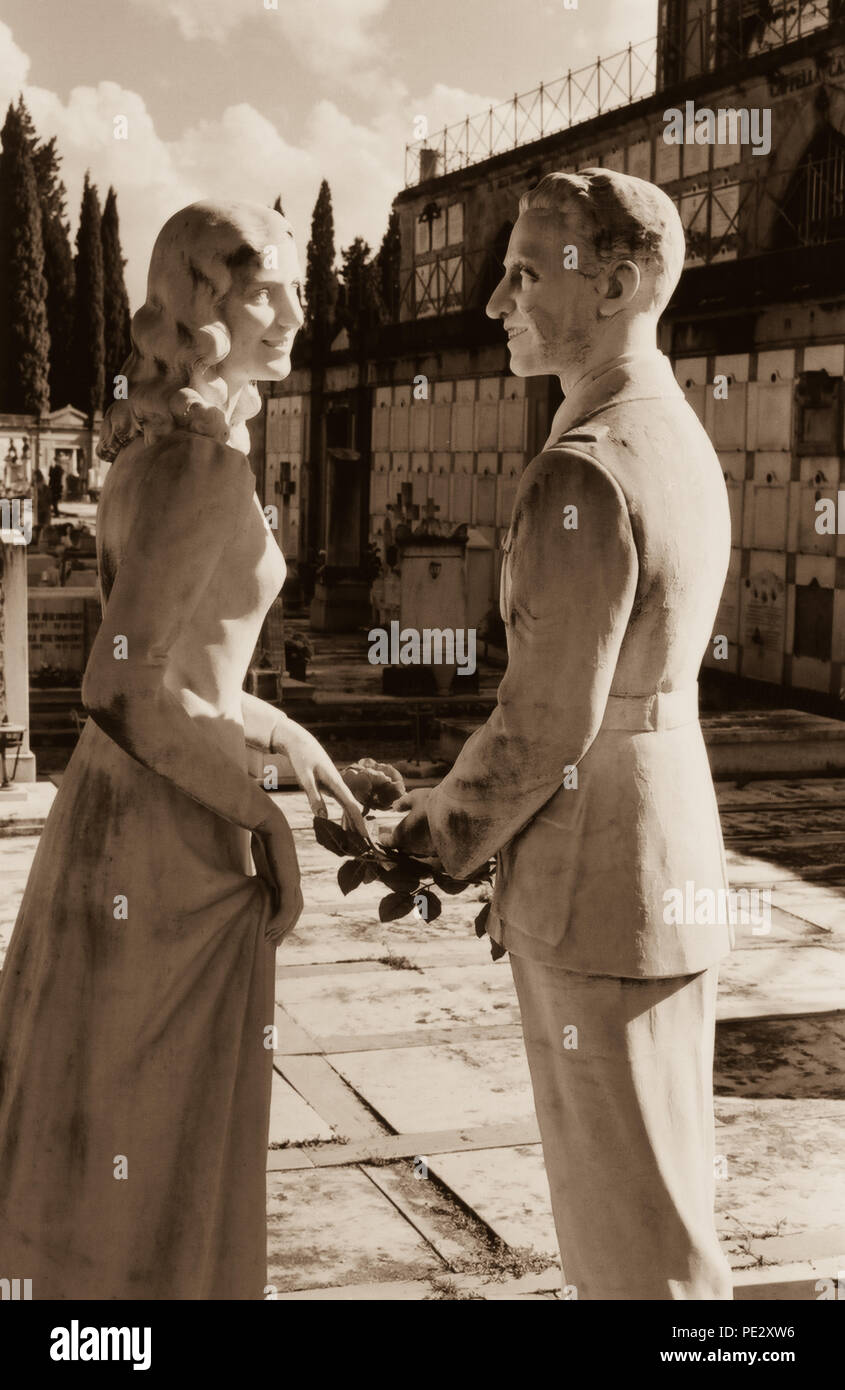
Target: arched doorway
(812,210)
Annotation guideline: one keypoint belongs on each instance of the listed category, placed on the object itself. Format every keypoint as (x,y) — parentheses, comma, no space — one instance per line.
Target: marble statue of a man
(590,781)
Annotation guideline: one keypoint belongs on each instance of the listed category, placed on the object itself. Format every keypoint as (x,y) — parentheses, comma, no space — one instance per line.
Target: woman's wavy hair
(179,337)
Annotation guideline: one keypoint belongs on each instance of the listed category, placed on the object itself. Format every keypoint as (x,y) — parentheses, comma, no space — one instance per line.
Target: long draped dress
(137,996)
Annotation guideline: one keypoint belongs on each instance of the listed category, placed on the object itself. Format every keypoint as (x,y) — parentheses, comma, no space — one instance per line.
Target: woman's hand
(313,769)
(276,862)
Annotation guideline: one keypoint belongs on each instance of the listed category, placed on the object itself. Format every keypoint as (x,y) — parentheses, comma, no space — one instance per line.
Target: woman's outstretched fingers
(355,815)
(337,788)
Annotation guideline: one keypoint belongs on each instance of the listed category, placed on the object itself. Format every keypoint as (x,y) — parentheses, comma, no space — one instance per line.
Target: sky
(257,98)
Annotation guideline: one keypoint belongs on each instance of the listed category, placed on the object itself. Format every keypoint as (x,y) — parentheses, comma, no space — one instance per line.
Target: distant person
(56,477)
(70,549)
(41,504)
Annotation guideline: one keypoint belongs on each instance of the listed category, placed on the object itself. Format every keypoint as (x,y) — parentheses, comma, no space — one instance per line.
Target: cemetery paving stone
(399,1054)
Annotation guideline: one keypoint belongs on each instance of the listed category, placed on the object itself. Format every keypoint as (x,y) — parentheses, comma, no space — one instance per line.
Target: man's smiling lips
(514,333)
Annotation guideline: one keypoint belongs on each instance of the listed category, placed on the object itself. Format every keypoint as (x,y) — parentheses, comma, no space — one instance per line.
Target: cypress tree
(321,285)
(115,299)
(24,333)
(88,347)
(387,267)
(58,268)
(58,260)
(358,307)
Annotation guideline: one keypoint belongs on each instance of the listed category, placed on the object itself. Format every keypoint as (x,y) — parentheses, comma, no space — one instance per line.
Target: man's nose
(497,304)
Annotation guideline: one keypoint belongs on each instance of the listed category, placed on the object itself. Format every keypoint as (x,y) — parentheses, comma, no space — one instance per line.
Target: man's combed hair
(178,336)
(621,217)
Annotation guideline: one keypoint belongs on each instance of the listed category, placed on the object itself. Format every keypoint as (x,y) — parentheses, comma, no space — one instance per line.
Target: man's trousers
(622,1072)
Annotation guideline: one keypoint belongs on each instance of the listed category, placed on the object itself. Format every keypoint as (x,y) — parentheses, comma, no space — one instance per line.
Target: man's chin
(521,366)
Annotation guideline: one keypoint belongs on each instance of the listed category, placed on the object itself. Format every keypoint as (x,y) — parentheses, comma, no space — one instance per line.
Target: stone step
(744,743)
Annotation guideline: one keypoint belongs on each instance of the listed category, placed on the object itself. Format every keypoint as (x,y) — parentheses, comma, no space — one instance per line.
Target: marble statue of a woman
(136,1002)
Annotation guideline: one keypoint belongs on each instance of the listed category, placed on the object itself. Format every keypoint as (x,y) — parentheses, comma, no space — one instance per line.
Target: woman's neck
(236,390)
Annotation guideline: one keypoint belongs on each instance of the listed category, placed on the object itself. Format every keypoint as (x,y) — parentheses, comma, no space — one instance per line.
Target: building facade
(35,442)
(424,418)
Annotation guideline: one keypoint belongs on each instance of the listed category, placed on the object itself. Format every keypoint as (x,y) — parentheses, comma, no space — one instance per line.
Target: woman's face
(263,314)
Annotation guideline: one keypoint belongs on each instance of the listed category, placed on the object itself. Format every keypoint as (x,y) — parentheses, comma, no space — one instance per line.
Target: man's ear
(622,281)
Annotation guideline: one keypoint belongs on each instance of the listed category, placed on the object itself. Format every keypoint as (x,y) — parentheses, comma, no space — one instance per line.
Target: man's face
(548,311)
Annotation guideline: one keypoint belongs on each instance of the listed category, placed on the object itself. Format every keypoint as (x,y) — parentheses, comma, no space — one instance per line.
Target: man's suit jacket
(608,610)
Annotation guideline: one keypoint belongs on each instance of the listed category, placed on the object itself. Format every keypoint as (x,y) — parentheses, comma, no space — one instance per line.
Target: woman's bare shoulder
(182,458)
(187,448)
(187,477)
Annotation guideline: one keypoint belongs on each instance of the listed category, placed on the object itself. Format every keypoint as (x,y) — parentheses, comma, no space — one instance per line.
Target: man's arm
(571,594)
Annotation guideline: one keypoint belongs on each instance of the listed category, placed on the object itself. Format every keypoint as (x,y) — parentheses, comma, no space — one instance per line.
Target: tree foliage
(58,260)
(359,301)
(88,318)
(24,331)
(116,318)
(321,282)
(387,266)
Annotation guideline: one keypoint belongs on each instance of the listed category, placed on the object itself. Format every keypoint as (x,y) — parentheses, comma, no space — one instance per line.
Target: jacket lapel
(629,378)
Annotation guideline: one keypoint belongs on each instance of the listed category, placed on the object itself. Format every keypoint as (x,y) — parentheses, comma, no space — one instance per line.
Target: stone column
(14,656)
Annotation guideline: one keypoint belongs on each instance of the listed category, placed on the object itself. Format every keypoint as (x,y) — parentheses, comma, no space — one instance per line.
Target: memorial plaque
(818,403)
(764,611)
(57,632)
(420,427)
(381,428)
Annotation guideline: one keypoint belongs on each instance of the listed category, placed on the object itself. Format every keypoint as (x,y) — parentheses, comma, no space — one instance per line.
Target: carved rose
(374,784)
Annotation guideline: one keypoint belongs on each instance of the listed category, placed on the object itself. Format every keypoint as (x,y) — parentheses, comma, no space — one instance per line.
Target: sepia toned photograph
(422,664)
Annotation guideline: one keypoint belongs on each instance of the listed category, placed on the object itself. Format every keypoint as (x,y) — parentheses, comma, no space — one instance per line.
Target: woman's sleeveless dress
(135,1056)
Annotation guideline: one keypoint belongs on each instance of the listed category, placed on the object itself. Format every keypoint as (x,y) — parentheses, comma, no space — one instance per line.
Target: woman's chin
(275,370)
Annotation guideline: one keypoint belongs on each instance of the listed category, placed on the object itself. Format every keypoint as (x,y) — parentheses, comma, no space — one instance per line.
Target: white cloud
(14,67)
(329,36)
(240,154)
(447,106)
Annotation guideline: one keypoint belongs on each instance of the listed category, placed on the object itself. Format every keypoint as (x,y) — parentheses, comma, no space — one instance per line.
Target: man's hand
(412,833)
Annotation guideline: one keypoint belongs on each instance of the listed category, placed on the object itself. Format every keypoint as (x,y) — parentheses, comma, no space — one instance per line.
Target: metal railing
(610,83)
